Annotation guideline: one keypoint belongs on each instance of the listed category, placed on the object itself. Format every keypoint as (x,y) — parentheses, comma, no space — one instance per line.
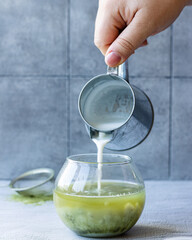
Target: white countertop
(167,213)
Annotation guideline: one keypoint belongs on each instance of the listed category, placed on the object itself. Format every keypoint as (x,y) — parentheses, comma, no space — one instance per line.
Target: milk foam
(108,126)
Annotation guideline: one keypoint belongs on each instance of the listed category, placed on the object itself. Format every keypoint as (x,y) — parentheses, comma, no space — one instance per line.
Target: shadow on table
(146,232)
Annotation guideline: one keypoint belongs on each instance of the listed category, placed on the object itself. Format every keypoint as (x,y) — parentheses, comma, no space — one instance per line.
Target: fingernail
(113,59)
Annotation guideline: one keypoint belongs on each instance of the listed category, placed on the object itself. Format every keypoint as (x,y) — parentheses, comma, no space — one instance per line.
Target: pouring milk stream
(100,142)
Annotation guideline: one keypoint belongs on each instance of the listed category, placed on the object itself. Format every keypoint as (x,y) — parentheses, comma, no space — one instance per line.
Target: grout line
(170,103)
(85,76)
(138,77)
(69,77)
(34,76)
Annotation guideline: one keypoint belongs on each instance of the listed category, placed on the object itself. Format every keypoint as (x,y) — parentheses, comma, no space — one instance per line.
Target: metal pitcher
(109,104)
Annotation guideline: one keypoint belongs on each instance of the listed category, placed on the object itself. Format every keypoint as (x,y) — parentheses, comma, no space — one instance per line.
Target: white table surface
(167,213)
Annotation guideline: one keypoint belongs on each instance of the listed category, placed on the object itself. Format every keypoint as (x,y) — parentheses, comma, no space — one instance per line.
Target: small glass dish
(99,200)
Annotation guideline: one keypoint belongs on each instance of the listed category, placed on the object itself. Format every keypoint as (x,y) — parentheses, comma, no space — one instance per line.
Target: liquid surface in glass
(113,211)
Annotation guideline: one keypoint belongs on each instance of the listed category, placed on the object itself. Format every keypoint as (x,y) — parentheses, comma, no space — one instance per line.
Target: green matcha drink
(113,211)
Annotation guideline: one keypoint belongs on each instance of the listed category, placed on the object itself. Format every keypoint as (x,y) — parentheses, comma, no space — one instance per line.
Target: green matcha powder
(38,200)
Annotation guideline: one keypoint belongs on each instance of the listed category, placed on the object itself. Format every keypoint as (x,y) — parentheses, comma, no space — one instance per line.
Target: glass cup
(99,200)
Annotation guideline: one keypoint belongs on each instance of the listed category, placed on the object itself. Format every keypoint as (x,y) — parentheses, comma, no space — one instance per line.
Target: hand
(124,25)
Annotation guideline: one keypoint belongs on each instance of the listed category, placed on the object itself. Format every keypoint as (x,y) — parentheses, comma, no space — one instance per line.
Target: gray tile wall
(46,56)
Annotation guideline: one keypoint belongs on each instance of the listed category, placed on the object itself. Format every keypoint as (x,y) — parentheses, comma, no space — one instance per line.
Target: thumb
(132,37)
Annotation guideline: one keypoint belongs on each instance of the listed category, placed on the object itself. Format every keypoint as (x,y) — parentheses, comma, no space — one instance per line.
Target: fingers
(117,48)
(105,34)
(107,25)
(133,36)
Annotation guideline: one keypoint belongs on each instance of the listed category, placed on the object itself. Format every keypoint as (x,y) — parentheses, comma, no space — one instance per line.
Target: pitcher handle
(121,71)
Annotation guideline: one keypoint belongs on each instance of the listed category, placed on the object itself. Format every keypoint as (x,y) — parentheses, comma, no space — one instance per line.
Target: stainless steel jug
(109,104)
